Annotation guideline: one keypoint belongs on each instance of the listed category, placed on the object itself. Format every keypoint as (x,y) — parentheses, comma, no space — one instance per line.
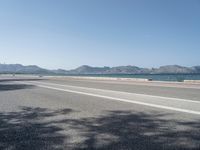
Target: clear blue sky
(69,33)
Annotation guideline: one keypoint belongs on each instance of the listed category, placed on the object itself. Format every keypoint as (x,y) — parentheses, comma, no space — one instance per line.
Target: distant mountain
(32,69)
(107,70)
(170,69)
(59,72)
(18,68)
(174,69)
(196,69)
(89,70)
(128,70)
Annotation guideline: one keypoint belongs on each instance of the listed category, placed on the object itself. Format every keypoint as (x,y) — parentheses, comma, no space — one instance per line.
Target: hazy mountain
(89,70)
(18,68)
(170,69)
(196,69)
(109,70)
(59,71)
(174,69)
(128,70)
(32,69)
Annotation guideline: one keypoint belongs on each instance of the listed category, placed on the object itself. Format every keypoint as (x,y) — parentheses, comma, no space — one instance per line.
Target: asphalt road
(65,113)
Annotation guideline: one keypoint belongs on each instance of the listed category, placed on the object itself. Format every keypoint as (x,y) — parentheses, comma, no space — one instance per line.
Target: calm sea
(154,77)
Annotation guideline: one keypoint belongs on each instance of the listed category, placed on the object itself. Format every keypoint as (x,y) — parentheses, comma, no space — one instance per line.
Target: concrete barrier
(110,78)
(192,81)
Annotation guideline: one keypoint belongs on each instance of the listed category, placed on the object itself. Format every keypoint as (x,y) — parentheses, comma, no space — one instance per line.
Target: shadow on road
(6,86)
(140,131)
(10,87)
(17,79)
(40,128)
(26,130)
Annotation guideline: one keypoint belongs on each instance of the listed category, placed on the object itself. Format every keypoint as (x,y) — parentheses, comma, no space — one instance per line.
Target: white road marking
(124,100)
(146,95)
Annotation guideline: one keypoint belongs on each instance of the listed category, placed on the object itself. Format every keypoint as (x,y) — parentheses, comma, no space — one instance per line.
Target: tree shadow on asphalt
(27,130)
(138,131)
(11,87)
(37,128)
(10,80)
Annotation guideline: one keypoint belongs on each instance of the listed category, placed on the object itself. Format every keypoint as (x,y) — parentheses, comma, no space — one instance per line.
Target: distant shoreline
(107,74)
(149,77)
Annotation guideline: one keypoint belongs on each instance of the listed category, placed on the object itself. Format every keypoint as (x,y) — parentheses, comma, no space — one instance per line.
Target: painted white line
(146,95)
(124,100)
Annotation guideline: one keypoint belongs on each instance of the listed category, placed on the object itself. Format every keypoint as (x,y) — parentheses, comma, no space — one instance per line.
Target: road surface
(68,113)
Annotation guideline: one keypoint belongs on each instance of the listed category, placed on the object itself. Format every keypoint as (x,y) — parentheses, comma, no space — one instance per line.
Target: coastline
(98,78)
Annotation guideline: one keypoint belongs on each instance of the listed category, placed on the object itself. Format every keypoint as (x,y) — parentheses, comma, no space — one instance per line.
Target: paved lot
(64,113)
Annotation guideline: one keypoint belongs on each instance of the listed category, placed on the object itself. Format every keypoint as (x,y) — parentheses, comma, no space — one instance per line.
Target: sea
(153,77)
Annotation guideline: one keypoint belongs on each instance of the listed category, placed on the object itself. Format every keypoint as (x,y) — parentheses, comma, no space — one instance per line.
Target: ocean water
(154,77)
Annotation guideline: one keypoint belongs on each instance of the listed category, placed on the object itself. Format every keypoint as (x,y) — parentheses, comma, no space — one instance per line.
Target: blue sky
(69,33)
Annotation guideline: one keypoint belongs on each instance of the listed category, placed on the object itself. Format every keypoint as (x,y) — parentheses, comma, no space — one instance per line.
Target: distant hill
(89,70)
(170,69)
(109,70)
(18,68)
(128,70)
(174,69)
(33,69)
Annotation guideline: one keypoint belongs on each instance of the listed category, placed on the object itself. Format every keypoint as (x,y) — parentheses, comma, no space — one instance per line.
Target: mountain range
(85,69)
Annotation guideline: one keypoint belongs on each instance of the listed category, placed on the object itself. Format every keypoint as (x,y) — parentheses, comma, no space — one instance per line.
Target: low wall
(111,78)
(192,81)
